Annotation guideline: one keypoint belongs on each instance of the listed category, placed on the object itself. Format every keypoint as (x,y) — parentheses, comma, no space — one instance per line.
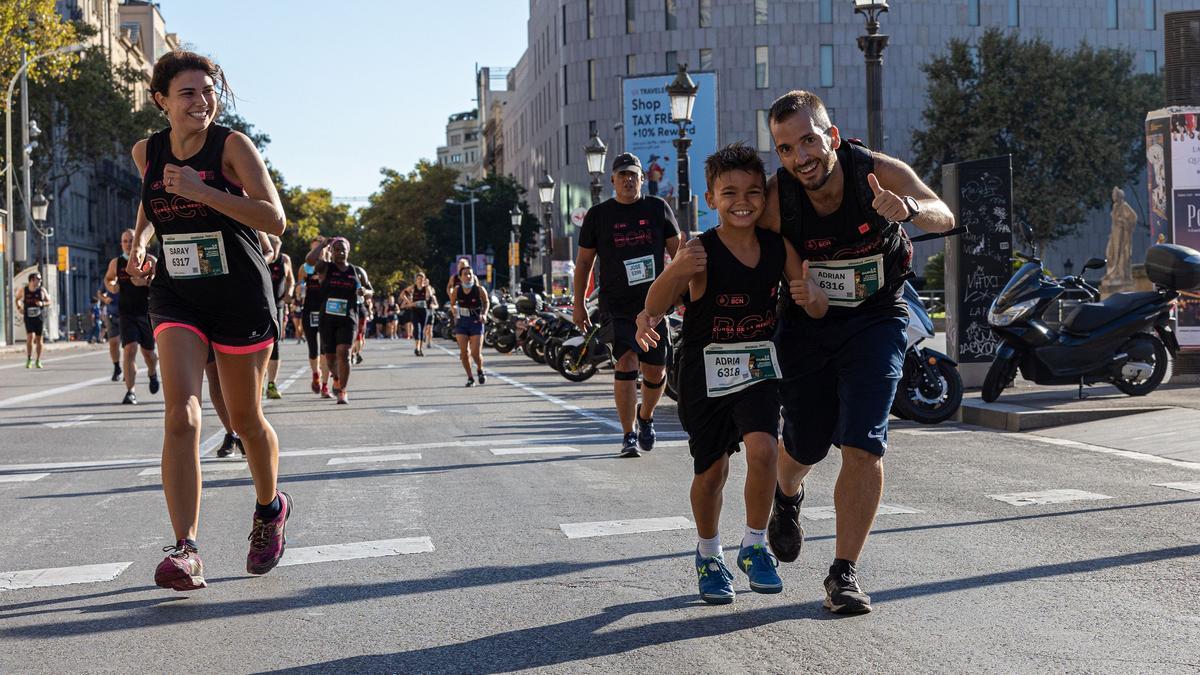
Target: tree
(1072,122)
(229,118)
(312,212)
(35,27)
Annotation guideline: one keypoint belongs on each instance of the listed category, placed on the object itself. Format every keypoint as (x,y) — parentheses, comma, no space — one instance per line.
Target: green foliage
(311,212)
(935,271)
(34,26)
(229,118)
(1071,120)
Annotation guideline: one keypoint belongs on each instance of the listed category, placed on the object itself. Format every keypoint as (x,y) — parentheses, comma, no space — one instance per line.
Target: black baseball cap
(626,160)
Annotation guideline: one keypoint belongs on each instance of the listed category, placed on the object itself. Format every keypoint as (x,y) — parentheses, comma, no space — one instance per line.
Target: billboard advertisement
(1185,209)
(649,132)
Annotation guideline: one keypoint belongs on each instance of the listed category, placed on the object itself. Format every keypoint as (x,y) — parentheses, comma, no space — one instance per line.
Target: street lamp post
(872,45)
(462,224)
(39,206)
(546,195)
(595,151)
(682,92)
(514,247)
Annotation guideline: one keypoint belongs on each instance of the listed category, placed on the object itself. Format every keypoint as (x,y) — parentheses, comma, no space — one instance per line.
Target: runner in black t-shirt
(133,307)
(627,235)
(342,285)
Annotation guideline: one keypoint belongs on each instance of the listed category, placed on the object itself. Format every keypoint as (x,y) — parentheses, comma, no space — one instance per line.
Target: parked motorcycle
(1123,339)
(931,388)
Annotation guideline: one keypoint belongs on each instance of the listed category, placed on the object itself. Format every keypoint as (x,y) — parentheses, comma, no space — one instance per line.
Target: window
(672,61)
(630,13)
(455,140)
(1014,13)
(591,79)
(591,128)
(762,57)
(826,65)
(566,144)
(566,99)
(1150,61)
(972,12)
(630,64)
(591,19)
(706,59)
(764,132)
(1114,20)
(760,12)
(1150,11)
(706,13)
(826,11)
(564,24)
(671,13)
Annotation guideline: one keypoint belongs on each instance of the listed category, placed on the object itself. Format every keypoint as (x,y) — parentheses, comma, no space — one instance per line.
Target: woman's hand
(183,181)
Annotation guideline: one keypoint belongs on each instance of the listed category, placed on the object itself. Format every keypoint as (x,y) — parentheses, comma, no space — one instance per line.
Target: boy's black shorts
(715,426)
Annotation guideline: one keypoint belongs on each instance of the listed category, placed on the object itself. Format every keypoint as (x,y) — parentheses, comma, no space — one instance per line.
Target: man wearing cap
(627,235)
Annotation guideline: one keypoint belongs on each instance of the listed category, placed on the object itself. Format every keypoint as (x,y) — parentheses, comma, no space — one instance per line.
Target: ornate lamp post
(546,195)
(872,45)
(514,248)
(595,151)
(682,92)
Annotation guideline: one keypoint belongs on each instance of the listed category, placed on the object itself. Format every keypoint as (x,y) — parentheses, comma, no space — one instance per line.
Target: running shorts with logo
(839,379)
(620,331)
(211,278)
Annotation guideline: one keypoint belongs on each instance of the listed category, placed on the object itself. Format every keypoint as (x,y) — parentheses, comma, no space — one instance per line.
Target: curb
(1009,417)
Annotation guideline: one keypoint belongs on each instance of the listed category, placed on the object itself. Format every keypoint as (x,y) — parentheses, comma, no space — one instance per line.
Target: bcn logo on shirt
(638,238)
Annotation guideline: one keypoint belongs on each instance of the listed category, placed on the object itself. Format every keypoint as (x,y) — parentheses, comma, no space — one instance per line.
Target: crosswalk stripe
(1048,497)
(609,528)
(22,477)
(353,551)
(46,393)
(61,576)
(403,457)
(535,450)
(205,467)
(828,513)
(1193,486)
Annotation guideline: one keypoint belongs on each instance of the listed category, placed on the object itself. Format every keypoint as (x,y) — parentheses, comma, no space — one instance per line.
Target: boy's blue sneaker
(645,431)
(758,564)
(716,581)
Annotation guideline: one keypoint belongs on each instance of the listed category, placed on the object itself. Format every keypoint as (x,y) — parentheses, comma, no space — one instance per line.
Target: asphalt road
(462,495)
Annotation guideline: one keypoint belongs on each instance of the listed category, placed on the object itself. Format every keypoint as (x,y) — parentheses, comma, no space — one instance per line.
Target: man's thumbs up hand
(887,203)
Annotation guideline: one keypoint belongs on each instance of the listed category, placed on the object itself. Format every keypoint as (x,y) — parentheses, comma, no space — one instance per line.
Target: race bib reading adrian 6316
(848,283)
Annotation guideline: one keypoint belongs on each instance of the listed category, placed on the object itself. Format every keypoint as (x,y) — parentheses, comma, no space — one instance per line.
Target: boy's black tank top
(132,300)
(739,302)
(339,284)
(240,294)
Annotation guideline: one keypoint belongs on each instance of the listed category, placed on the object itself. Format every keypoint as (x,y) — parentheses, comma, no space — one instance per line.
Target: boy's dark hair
(796,101)
(733,157)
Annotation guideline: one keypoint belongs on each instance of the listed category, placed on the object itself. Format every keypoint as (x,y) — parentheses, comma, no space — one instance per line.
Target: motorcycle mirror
(1027,230)
(1095,264)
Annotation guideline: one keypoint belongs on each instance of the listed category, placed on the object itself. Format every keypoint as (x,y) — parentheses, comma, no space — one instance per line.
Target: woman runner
(469,304)
(310,283)
(421,299)
(207,196)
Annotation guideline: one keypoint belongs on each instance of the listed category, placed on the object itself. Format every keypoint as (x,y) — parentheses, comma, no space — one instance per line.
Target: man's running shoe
(784,533)
(130,398)
(116,372)
(481,376)
(154,384)
(37,363)
(325,390)
(417,351)
(842,592)
(342,397)
(470,382)
(758,564)
(266,539)
(645,431)
(273,391)
(716,581)
(316,383)
(228,445)
(182,570)
(358,358)
(629,446)
(29,362)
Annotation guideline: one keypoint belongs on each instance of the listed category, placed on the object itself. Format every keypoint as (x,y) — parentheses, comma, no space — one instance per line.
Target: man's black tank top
(312,289)
(739,303)
(278,283)
(31,300)
(468,302)
(132,300)
(211,264)
(340,290)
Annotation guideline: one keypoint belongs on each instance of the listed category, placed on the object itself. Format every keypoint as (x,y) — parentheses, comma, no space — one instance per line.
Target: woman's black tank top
(470,301)
(340,286)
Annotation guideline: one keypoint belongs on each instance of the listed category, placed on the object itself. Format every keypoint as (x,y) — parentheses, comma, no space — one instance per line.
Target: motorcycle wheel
(553,347)
(489,338)
(1156,376)
(506,343)
(537,351)
(928,402)
(568,357)
(999,376)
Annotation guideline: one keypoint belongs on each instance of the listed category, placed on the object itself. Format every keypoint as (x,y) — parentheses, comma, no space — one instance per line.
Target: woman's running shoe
(342,397)
(325,390)
(481,376)
(316,383)
(267,542)
(154,384)
(182,569)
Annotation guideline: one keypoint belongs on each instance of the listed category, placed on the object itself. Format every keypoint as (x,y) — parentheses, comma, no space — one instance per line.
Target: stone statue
(1120,241)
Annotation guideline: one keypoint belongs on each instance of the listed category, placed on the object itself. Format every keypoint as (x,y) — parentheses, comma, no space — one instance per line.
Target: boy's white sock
(753,537)
(708,548)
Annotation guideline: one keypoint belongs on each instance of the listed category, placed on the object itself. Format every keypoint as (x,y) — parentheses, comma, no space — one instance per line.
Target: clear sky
(345,87)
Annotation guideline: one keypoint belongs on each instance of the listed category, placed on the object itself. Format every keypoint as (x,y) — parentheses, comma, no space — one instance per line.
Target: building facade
(568,81)
(464,146)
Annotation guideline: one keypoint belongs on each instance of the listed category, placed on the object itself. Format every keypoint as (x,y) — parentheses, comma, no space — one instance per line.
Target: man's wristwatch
(914,208)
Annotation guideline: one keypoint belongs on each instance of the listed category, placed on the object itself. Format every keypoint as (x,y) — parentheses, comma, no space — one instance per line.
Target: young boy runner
(729,280)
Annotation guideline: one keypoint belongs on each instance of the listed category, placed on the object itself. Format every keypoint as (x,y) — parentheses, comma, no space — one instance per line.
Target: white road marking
(827,512)
(211,443)
(547,397)
(22,477)
(1048,497)
(404,457)
(608,528)
(922,431)
(1127,454)
(110,464)
(1193,486)
(55,359)
(292,380)
(61,576)
(46,393)
(205,467)
(414,410)
(537,450)
(362,549)
(74,421)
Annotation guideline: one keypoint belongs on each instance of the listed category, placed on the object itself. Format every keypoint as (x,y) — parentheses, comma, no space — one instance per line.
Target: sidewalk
(62,346)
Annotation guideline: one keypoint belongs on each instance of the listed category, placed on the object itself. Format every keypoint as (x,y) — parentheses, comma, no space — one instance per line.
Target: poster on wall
(1185,210)
(649,133)
(1158,148)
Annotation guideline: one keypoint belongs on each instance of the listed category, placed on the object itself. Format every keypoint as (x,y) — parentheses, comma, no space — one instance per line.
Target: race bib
(314,319)
(195,255)
(730,368)
(848,283)
(419,304)
(640,270)
(33,312)
(337,306)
